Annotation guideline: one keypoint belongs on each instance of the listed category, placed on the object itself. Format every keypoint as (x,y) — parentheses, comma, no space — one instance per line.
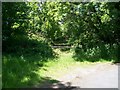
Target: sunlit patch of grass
(62,65)
(17,72)
(25,79)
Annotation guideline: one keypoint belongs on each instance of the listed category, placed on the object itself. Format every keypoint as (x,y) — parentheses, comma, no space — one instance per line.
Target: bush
(25,46)
(102,51)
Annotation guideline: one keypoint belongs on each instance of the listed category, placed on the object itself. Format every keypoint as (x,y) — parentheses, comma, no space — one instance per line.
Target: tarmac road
(98,76)
(106,78)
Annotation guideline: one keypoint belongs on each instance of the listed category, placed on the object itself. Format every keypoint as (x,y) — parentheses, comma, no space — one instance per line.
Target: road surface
(97,76)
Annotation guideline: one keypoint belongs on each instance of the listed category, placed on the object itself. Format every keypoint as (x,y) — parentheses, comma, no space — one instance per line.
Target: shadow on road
(55,84)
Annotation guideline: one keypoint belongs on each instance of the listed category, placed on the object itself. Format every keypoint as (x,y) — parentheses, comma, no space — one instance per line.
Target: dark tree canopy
(84,25)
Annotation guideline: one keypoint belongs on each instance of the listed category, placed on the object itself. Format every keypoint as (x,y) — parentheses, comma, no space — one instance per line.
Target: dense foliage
(85,25)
